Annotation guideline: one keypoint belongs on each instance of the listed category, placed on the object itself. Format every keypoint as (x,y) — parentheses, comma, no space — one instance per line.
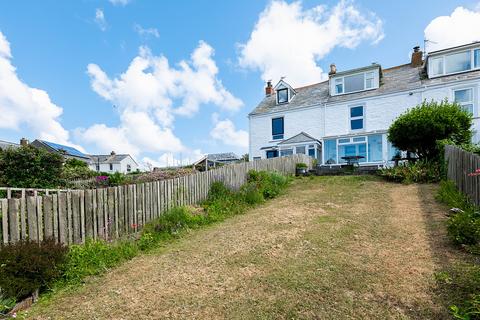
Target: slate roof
(108,158)
(396,79)
(298,138)
(6,144)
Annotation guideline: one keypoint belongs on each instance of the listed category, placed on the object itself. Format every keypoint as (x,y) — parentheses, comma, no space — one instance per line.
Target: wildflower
(475,173)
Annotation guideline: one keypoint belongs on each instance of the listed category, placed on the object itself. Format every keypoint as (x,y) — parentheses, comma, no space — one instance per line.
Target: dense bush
(421,171)
(29,167)
(76,169)
(419,129)
(27,266)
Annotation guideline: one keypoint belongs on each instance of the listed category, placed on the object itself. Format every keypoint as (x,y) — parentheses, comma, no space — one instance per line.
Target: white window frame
(442,57)
(341,81)
(472,101)
(350,118)
(288,95)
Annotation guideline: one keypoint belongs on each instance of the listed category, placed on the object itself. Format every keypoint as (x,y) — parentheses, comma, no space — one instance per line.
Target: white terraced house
(350,113)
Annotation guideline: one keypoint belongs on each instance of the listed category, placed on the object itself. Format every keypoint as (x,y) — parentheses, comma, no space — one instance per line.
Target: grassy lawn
(330,248)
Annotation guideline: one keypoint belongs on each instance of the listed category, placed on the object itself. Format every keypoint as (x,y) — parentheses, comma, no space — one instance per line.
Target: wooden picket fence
(460,164)
(72,216)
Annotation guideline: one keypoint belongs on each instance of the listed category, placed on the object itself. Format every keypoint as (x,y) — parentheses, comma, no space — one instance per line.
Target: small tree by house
(420,128)
(29,167)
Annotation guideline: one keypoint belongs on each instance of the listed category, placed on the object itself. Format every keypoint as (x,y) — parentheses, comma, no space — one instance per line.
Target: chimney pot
(269,88)
(24,142)
(417,57)
(333,69)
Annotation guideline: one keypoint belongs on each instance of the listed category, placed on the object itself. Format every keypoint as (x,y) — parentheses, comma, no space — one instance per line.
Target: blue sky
(78,53)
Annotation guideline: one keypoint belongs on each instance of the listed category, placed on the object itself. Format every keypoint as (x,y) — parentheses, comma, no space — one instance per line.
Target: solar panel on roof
(70,150)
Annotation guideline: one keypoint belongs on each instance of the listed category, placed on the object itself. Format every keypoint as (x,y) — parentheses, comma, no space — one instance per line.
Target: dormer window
(453,62)
(284,92)
(354,82)
(282,95)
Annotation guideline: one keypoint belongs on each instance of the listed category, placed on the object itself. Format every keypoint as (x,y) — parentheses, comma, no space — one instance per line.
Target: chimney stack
(333,69)
(24,142)
(417,57)
(112,153)
(269,88)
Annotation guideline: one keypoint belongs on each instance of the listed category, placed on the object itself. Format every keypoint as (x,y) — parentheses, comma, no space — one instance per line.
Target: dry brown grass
(331,248)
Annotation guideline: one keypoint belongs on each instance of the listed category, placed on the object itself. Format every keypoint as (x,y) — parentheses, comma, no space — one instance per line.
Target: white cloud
(150,94)
(146,31)
(119,2)
(25,108)
(226,132)
(100,19)
(461,27)
(289,41)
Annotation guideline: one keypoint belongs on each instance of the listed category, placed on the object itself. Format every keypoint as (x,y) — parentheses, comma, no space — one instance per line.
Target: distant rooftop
(6,144)
(62,148)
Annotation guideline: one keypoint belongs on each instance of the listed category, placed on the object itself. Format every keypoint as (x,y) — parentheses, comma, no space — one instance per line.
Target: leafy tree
(420,128)
(245,157)
(29,167)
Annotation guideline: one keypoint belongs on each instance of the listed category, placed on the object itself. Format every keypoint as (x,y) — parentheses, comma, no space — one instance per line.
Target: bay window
(368,148)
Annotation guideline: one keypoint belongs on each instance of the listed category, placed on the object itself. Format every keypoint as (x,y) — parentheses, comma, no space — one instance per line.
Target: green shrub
(448,194)
(76,169)
(117,179)
(218,191)
(419,129)
(29,167)
(270,184)
(464,227)
(419,172)
(301,165)
(95,257)
(27,266)
(251,194)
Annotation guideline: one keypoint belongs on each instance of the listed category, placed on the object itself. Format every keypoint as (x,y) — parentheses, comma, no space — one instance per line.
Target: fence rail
(460,164)
(72,216)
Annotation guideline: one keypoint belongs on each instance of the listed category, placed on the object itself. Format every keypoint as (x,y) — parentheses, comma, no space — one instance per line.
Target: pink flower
(474,174)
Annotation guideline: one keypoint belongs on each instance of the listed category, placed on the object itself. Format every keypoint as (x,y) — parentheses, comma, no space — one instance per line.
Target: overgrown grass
(96,257)
(462,281)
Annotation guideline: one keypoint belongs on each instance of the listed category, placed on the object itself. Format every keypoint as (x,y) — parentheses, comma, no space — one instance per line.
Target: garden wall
(460,166)
(72,216)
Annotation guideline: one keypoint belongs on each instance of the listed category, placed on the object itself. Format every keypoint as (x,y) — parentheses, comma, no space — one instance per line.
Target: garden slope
(337,247)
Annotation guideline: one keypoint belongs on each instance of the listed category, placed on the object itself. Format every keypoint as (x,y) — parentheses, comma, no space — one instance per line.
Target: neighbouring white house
(349,114)
(113,162)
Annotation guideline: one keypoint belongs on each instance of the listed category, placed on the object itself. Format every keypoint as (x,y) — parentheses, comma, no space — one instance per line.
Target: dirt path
(340,247)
